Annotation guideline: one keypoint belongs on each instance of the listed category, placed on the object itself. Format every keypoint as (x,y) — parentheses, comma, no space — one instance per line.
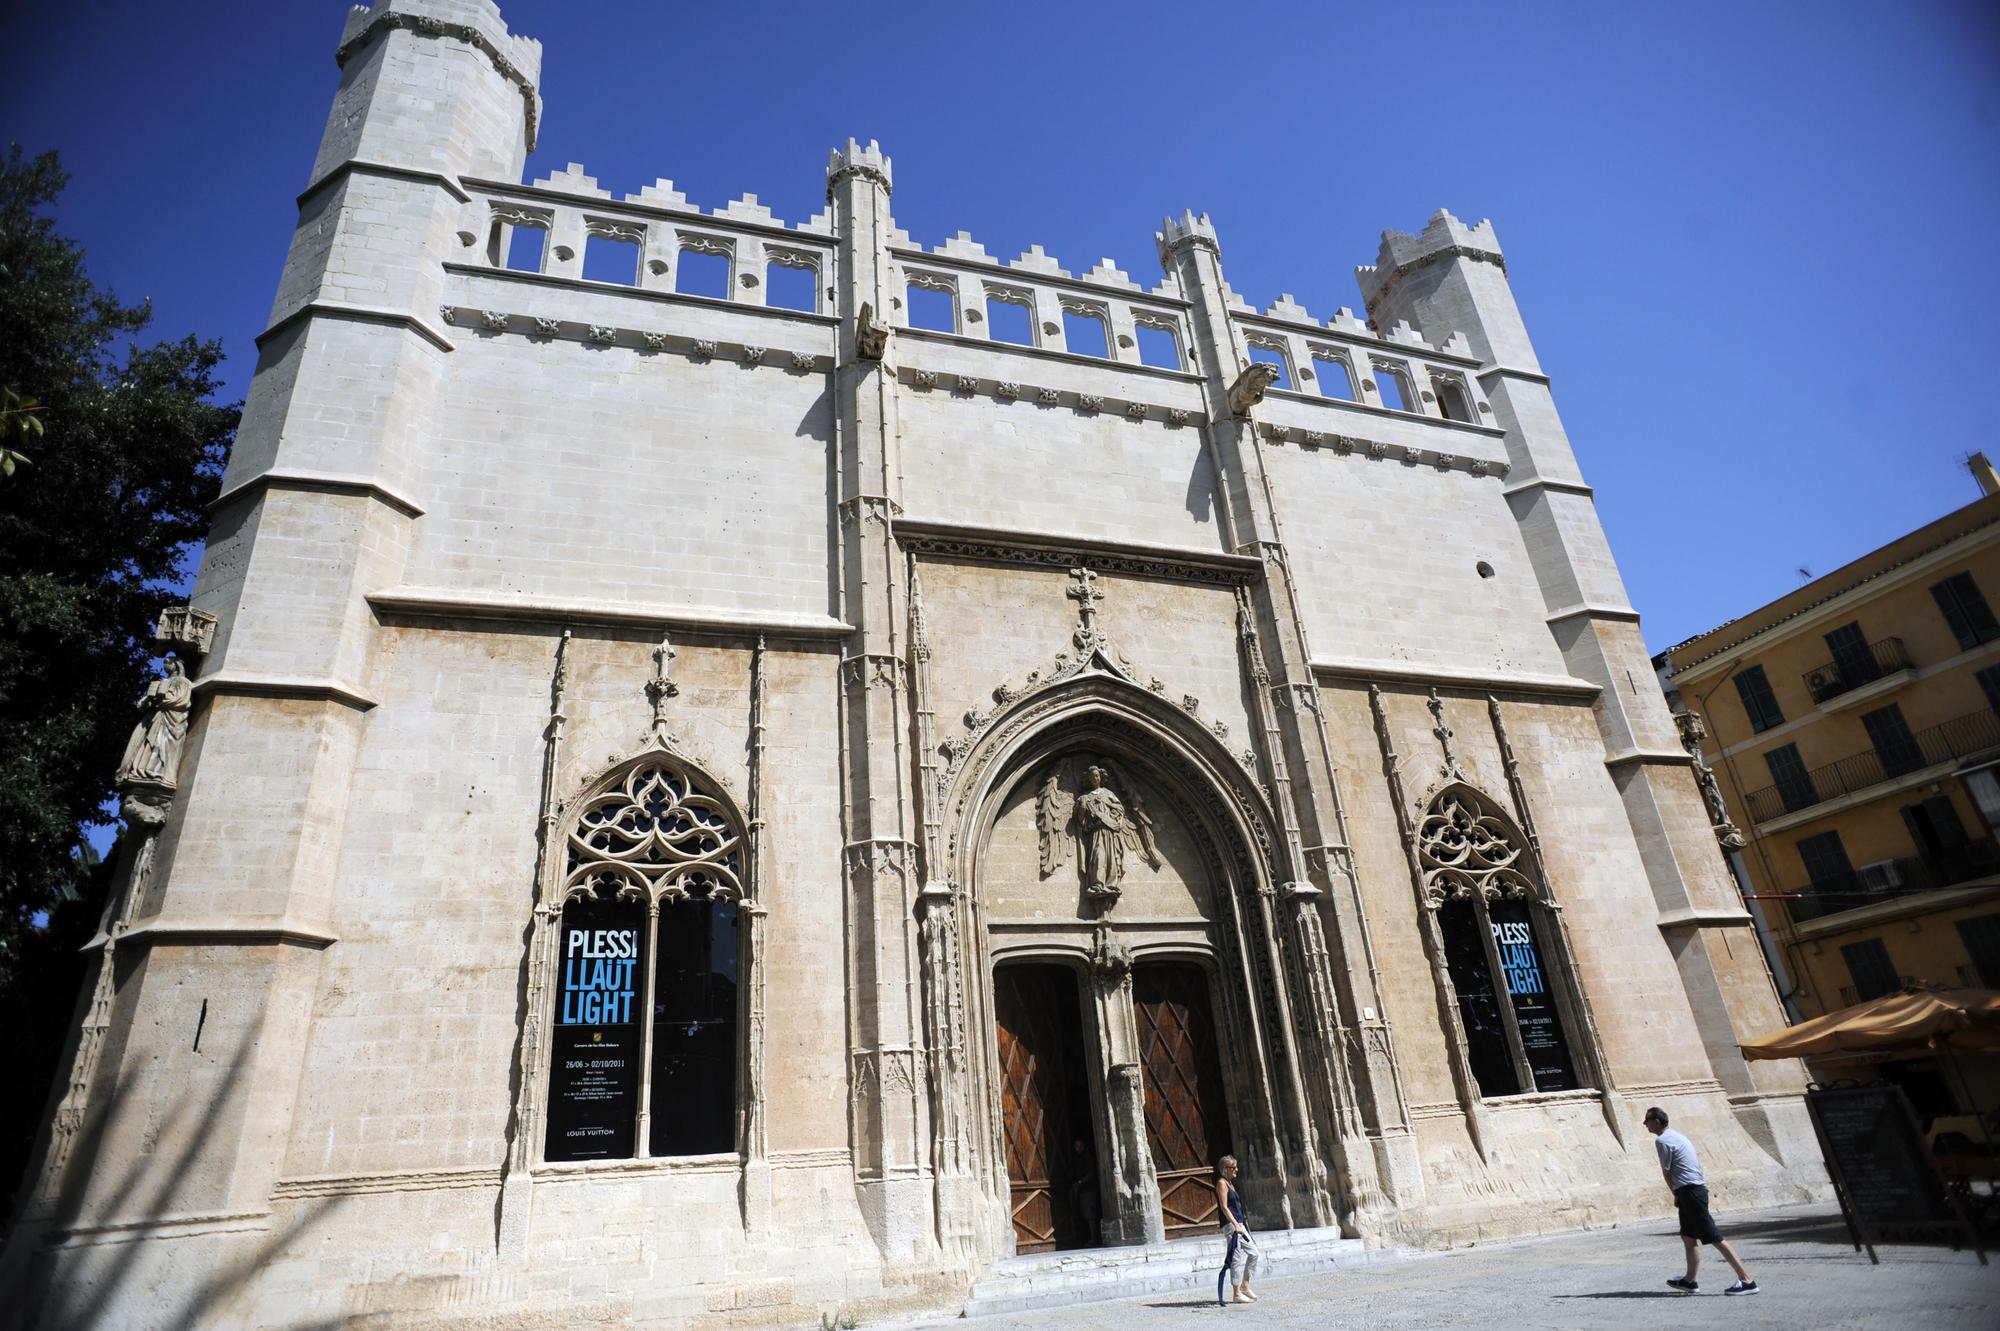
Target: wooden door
(1042,1106)
(1187,1117)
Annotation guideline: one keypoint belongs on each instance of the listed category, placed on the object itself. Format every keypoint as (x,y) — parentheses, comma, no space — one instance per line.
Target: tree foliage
(95,534)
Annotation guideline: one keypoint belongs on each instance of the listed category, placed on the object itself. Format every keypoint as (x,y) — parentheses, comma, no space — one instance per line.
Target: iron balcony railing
(1940,743)
(1835,678)
(1896,878)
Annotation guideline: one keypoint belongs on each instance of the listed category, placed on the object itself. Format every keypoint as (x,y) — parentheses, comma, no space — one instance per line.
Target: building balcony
(1837,685)
(1935,746)
(1876,883)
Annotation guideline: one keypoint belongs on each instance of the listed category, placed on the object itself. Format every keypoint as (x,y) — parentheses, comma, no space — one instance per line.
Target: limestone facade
(908,655)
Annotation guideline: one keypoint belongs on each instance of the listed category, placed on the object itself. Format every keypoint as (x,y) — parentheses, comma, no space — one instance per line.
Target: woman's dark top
(1235,1204)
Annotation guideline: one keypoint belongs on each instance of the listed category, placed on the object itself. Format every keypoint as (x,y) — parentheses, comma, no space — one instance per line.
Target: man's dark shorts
(1696,1223)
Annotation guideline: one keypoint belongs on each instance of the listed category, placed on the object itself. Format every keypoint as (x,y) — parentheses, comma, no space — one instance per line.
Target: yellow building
(1853,729)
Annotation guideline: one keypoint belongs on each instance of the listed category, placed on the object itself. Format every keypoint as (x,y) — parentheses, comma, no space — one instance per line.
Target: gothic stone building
(725,802)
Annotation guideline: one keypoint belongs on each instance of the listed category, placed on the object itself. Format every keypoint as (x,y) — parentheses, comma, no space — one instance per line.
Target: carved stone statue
(1251,385)
(1692,733)
(871,339)
(1103,825)
(153,754)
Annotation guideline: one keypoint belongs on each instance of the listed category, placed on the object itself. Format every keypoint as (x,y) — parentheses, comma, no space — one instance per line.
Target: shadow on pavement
(1186,1303)
(1628,1294)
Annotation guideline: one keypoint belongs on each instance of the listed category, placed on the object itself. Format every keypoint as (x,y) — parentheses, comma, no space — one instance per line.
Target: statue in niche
(1101,824)
(153,754)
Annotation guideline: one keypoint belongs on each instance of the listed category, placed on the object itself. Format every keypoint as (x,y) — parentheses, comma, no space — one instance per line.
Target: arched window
(646,971)
(1490,911)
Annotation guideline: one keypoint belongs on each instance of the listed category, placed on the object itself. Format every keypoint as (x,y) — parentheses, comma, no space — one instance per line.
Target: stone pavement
(1810,1275)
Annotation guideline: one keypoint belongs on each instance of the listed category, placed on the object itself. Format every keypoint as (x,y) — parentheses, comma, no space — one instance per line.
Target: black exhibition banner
(594,1062)
(1541,1029)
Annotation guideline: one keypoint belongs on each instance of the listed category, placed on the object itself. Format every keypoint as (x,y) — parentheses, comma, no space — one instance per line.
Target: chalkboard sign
(594,1058)
(1888,1184)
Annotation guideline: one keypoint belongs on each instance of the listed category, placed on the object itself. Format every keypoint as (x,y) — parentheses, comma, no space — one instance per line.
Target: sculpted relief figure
(153,754)
(1102,826)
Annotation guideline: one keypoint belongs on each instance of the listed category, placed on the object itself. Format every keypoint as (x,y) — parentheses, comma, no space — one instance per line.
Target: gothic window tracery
(1480,880)
(645,1051)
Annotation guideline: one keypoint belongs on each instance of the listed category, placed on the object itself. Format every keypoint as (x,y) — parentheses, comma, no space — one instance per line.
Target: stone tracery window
(645,1042)
(1478,878)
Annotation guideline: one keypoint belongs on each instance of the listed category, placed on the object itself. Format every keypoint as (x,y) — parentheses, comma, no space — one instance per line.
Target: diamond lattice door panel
(1041,1102)
(1187,1118)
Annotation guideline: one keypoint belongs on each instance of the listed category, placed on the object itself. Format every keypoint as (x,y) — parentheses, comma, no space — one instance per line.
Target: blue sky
(1752,241)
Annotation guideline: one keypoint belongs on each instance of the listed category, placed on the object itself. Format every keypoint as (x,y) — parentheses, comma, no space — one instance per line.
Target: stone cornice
(340,309)
(1138,297)
(245,683)
(1703,917)
(452,603)
(247,931)
(1532,686)
(992,545)
(286,478)
(363,166)
(1534,483)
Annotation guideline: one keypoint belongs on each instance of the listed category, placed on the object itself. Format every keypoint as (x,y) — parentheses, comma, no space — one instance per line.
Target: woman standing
(1241,1255)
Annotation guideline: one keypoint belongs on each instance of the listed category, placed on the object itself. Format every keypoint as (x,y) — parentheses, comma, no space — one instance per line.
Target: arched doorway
(1108,837)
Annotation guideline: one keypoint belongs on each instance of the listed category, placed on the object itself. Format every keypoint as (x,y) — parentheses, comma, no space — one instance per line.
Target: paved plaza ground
(1811,1278)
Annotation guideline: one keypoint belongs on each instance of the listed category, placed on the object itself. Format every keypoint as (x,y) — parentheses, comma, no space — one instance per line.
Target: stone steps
(1189,1266)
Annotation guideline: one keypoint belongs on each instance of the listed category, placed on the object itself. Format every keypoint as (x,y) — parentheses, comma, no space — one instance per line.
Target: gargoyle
(1248,390)
(871,339)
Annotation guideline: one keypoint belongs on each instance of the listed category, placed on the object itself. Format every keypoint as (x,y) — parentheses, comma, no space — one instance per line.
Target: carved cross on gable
(1086,595)
(661,686)
(1443,733)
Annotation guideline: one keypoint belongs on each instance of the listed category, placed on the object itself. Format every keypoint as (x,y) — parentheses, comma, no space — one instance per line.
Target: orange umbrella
(1967,1018)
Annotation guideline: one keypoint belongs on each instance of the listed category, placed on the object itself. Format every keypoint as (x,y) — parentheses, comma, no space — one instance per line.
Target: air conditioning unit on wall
(1881,876)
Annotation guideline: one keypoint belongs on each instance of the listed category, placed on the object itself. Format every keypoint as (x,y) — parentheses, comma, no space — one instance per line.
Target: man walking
(1683,1174)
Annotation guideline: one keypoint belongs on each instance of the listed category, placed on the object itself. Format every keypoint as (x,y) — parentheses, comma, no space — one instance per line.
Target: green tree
(96,533)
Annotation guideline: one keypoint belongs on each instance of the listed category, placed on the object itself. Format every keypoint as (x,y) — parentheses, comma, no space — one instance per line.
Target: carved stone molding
(881,857)
(877,509)
(996,549)
(873,671)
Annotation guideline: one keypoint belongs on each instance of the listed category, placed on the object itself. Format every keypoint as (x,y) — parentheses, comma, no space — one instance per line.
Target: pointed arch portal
(1130,988)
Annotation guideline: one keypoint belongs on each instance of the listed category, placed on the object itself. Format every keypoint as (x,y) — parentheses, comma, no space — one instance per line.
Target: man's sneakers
(1685,1285)
(1742,1287)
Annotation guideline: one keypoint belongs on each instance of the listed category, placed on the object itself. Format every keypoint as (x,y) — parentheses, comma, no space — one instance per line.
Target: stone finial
(870,163)
(1189,230)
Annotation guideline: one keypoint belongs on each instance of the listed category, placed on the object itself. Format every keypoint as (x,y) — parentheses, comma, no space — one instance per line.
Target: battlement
(1443,237)
(1190,228)
(856,160)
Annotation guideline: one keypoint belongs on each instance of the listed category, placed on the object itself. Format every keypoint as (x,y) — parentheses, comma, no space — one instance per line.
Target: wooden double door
(1048,1111)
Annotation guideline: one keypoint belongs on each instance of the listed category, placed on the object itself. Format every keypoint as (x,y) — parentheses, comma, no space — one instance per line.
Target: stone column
(1131,1186)
(1378,1156)
(892,1132)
